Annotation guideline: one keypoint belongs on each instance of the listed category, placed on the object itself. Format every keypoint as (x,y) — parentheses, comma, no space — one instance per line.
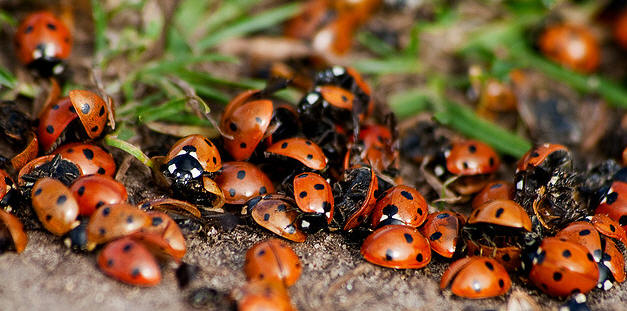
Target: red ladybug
(476,278)
(53,120)
(609,227)
(43,41)
(471,157)
(130,262)
(397,246)
(496,190)
(505,213)
(442,230)
(584,234)
(162,235)
(614,260)
(572,46)
(310,18)
(11,233)
(313,194)
(537,156)
(241,181)
(200,148)
(90,159)
(55,206)
(561,268)
(91,110)
(246,122)
(614,203)
(302,150)
(94,191)
(272,260)
(400,205)
(278,214)
(262,295)
(113,221)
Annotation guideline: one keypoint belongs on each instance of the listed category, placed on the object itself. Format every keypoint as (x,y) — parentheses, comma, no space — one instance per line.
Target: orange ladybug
(496,190)
(11,233)
(574,47)
(91,159)
(199,147)
(262,295)
(401,205)
(130,262)
(303,150)
(609,227)
(55,206)
(162,235)
(246,122)
(398,247)
(476,278)
(584,234)
(278,214)
(241,181)
(471,157)
(42,41)
(272,260)
(113,221)
(442,229)
(94,191)
(355,198)
(313,194)
(505,213)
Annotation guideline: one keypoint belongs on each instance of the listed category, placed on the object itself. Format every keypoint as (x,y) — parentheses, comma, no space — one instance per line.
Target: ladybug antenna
(274,84)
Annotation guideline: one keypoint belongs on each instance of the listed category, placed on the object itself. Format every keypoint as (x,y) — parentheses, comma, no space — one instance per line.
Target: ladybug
(272,260)
(130,262)
(336,37)
(476,278)
(278,214)
(378,148)
(12,234)
(113,221)
(162,235)
(312,15)
(609,227)
(53,121)
(94,191)
(561,268)
(241,181)
(614,261)
(472,162)
(354,198)
(46,166)
(200,148)
(400,205)
(547,157)
(55,206)
(620,29)
(505,213)
(614,204)
(442,229)
(91,159)
(314,197)
(262,295)
(347,78)
(171,205)
(28,153)
(91,110)
(42,41)
(7,187)
(244,123)
(398,247)
(571,46)
(496,190)
(497,96)
(305,151)
(584,234)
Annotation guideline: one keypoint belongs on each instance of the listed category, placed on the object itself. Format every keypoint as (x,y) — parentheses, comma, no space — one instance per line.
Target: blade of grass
(409,103)
(156,113)
(374,44)
(389,65)
(7,79)
(100,25)
(228,11)
(251,24)
(468,123)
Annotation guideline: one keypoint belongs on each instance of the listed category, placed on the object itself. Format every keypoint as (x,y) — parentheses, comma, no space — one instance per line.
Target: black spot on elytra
(496,186)
(99,204)
(284,145)
(408,238)
(584,232)
(55,107)
(308,143)
(261,252)
(135,273)
(102,231)
(622,220)
(499,212)
(241,174)
(566,253)
(612,228)
(419,257)
(38,191)
(157,221)
(106,211)
(489,265)
(344,98)
(61,199)
(242,145)
(590,258)
(319,186)
(101,112)
(28,29)
(233,127)
(258,120)
(442,216)
(281,207)
(302,194)
(557,276)
(309,156)
(465,165)
(501,283)
(435,236)
(50,129)
(472,148)
(48,217)
(52,27)
(81,190)
(407,195)
(101,171)
(534,154)
(94,129)
(127,247)
(232,192)
(263,190)
(109,262)
(89,154)
(491,161)
(389,255)
(506,257)
(419,211)
(85,108)
(611,198)
(266,217)
(129,219)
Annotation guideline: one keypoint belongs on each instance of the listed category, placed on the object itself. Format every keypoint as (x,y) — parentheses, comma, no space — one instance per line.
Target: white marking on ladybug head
(195,172)
(172,168)
(312,98)
(519,185)
(338,70)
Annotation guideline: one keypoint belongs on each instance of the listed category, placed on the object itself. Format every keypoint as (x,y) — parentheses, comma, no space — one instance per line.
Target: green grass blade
(251,24)
(7,79)
(100,25)
(387,66)
(468,123)
(409,103)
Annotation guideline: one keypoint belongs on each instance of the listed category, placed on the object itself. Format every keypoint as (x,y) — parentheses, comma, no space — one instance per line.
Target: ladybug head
(530,255)
(184,168)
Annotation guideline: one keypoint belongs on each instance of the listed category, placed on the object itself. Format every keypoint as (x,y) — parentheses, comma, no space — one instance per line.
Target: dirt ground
(48,276)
